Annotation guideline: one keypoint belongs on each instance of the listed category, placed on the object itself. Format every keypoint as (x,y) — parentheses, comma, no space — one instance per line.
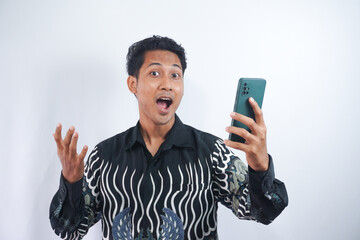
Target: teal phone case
(247,87)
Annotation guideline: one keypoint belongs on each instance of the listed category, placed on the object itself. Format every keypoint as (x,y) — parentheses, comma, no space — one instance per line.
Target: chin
(165,119)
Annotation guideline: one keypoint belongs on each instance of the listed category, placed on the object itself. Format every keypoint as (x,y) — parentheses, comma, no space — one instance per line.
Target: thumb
(83,153)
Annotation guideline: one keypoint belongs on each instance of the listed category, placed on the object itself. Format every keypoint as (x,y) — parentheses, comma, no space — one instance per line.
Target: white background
(64,61)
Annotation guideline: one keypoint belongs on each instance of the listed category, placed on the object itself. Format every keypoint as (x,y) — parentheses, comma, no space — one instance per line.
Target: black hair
(135,57)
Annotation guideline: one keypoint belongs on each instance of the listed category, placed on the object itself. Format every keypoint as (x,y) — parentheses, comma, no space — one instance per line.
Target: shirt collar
(178,136)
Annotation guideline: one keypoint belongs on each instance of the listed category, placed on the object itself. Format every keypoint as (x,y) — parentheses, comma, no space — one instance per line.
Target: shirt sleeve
(75,207)
(249,194)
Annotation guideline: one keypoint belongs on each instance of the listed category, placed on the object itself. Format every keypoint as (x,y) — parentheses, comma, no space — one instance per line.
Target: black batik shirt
(172,195)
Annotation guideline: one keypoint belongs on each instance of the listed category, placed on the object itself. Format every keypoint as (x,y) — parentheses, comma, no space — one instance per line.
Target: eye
(154,73)
(175,75)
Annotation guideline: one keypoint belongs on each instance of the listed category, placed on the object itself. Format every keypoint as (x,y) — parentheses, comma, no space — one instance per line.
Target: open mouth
(164,102)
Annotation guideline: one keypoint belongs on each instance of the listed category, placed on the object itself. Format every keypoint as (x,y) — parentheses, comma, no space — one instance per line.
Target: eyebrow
(159,64)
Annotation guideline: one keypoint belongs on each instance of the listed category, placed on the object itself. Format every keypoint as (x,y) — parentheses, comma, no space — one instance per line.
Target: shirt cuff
(72,192)
(261,182)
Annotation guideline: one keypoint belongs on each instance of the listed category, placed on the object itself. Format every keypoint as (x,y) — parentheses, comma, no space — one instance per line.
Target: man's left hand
(255,142)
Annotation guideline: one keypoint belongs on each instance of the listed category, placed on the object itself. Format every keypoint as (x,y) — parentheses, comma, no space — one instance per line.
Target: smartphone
(247,87)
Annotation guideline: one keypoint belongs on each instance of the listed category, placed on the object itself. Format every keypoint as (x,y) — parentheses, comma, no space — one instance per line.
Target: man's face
(159,86)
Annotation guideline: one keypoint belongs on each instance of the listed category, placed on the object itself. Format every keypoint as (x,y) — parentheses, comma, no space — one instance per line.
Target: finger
(83,153)
(68,137)
(240,132)
(257,111)
(73,143)
(239,146)
(245,120)
(58,137)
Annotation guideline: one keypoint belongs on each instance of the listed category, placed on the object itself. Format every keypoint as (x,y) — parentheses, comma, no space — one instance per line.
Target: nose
(166,83)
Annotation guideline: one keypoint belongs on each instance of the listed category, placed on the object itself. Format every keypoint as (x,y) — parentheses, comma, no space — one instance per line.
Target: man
(162,179)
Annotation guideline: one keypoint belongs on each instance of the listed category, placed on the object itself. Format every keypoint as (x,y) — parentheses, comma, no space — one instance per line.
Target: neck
(155,133)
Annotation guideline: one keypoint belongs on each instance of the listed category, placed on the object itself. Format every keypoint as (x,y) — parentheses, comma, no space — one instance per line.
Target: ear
(132,83)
